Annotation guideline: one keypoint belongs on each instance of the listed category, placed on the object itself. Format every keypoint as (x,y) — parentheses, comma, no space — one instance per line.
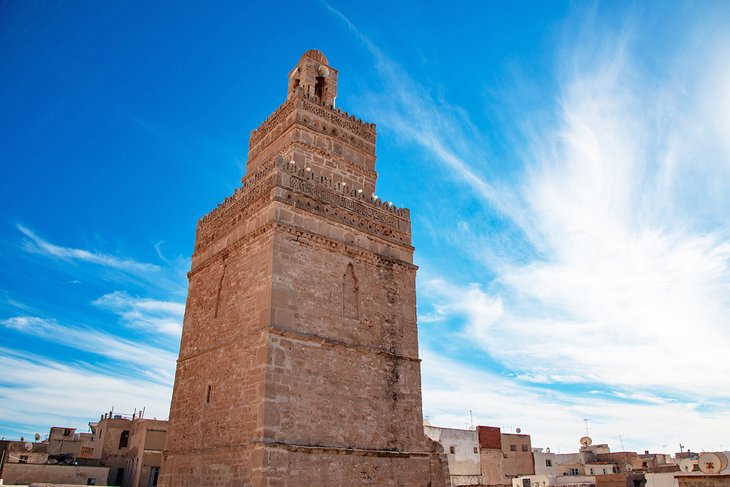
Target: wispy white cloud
(621,199)
(155,362)
(42,392)
(37,245)
(144,313)
(555,419)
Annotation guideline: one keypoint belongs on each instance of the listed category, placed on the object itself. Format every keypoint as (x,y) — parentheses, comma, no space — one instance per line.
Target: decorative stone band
(331,343)
(308,191)
(349,129)
(362,129)
(268,443)
(338,450)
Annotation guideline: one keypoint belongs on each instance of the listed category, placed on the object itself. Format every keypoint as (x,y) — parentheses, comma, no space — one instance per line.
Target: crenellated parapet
(304,188)
(308,111)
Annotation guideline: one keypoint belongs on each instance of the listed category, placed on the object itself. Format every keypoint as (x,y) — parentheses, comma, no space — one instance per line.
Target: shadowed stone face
(299,357)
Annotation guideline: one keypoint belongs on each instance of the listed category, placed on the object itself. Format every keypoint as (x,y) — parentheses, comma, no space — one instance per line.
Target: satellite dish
(37,436)
(712,462)
(586,441)
(687,465)
(518,430)
(723,459)
(28,445)
(628,467)
(323,71)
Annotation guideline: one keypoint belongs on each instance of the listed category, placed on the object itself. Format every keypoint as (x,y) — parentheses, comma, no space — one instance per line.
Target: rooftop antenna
(471,415)
(628,467)
(586,421)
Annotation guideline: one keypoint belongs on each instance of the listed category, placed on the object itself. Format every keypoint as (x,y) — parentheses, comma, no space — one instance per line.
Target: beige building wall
(492,467)
(131,448)
(55,474)
(462,451)
(545,463)
(517,451)
(144,456)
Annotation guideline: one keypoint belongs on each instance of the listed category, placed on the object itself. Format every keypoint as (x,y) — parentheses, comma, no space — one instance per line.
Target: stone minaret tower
(299,359)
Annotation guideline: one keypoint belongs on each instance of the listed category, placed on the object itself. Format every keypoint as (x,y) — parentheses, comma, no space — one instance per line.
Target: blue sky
(566,164)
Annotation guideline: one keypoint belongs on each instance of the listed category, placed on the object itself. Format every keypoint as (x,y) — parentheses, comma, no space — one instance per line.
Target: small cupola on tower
(315,78)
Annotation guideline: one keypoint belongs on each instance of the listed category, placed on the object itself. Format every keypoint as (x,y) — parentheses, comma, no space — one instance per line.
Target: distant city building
(484,456)
(131,447)
(64,457)
(120,450)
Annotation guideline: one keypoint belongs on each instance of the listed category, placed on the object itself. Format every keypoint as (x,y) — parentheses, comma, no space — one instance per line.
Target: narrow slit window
(207,395)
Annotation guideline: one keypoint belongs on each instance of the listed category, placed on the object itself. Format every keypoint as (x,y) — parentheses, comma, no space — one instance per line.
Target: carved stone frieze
(366,132)
(327,121)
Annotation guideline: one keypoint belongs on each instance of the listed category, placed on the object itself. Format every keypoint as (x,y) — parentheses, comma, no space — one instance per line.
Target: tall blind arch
(350,294)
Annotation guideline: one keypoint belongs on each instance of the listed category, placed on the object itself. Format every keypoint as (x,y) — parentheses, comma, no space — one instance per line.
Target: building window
(154,476)
(615,469)
(591,471)
(548,463)
(524,448)
(452,449)
(476,450)
(644,464)
(513,448)
(23,459)
(526,483)
(90,481)
(573,471)
(124,439)
(66,432)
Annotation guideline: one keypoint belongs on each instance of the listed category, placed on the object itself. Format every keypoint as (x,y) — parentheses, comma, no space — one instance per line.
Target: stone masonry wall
(299,354)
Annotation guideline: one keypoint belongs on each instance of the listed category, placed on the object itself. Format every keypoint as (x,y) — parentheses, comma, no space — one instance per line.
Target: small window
(591,471)
(23,459)
(476,450)
(452,449)
(604,471)
(154,476)
(526,483)
(124,439)
(207,397)
(513,448)
(524,448)
(548,463)
(90,481)
(644,464)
